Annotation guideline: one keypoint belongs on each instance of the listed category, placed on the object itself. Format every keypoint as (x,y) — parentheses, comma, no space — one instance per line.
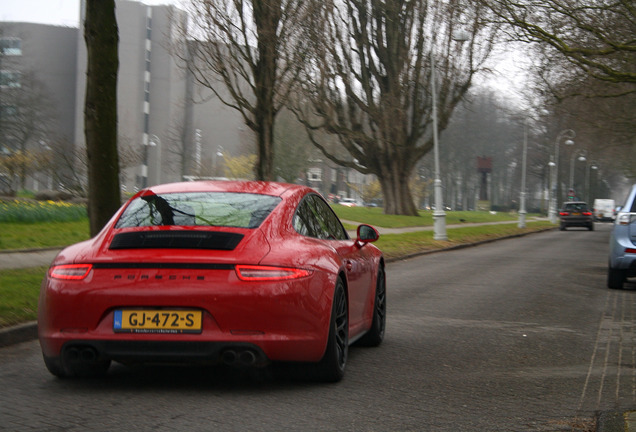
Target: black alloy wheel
(375,335)
(332,365)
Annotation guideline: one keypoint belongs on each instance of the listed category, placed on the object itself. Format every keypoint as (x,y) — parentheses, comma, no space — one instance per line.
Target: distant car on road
(576,214)
(622,256)
(604,210)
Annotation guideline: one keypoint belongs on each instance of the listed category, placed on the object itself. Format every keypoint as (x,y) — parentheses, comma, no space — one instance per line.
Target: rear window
(242,210)
(576,207)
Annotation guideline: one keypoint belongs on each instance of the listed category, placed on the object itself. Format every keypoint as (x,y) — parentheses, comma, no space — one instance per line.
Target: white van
(604,209)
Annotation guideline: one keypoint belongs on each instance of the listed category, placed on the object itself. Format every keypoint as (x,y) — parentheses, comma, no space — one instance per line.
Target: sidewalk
(27,258)
(382,230)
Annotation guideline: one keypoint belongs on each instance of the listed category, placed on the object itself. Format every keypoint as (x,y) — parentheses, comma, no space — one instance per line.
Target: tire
(591,227)
(331,367)
(562,227)
(54,366)
(375,335)
(615,278)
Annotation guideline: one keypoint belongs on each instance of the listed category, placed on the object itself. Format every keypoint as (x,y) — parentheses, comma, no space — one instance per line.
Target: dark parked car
(622,256)
(576,214)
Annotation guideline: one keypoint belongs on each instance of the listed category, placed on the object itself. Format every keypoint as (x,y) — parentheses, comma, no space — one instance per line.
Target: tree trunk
(100,112)
(398,199)
(264,168)
(267,18)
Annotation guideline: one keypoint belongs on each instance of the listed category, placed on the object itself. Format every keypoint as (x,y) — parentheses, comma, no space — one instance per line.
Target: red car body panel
(288,320)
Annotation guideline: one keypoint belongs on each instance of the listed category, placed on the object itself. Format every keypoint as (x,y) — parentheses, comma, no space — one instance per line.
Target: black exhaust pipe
(73,354)
(247,358)
(88,354)
(229,357)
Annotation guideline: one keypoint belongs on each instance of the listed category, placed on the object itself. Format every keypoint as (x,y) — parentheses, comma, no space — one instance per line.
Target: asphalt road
(516,335)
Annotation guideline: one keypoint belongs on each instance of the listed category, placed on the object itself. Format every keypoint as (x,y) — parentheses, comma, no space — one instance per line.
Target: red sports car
(241,273)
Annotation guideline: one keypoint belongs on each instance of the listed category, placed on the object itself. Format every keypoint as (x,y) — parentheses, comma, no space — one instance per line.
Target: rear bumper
(132,352)
(619,259)
(577,222)
(286,321)
(262,349)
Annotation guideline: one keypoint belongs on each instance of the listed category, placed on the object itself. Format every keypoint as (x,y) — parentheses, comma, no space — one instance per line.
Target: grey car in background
(622,258)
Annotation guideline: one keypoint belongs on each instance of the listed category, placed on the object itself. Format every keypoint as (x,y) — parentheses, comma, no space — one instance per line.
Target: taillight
(630,250)
(587,214)
(266,273)
(70,271)
(564,213)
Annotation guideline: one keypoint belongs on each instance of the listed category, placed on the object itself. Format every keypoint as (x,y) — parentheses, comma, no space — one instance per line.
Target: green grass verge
(19,290)
(375,216)
(43,234)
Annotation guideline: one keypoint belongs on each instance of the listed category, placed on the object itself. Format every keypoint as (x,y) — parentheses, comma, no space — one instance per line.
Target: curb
(463,245)
(18,333)
(28,250)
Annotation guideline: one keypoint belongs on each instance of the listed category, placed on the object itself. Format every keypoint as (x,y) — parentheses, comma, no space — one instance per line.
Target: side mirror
(367,234)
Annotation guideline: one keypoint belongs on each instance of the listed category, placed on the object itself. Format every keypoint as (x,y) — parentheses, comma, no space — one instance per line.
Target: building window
(314,174)
(9,78)
(11,46)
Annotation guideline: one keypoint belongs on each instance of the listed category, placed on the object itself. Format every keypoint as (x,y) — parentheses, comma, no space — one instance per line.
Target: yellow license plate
(157,321)
(576,214)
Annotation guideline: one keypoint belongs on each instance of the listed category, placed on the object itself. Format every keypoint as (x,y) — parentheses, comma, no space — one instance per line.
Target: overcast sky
(55,12)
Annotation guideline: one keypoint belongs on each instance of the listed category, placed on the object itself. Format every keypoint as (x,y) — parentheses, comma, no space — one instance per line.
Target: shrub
(30,211)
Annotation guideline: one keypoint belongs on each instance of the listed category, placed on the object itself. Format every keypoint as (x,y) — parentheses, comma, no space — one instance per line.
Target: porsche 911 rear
(192,312)
(176,277)
(242,273)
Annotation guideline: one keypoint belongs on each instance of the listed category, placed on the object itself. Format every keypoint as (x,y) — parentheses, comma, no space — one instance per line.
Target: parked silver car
(622,258)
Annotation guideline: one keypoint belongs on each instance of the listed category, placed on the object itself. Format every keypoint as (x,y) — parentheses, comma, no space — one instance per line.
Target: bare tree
(247,53)
(25,120)
(596,36)
(100,112)
(584,70)
(368,82)
(293,149)
(604,125)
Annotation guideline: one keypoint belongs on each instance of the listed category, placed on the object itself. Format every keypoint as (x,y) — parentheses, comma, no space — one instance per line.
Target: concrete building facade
(169,127)
(38,66)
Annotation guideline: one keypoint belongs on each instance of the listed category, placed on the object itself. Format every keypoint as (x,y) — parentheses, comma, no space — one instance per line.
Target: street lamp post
(570,134)
(581,157)
(217,154)
(156,143)
(591,165)
(522,198)
(439,215)
(144,165)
